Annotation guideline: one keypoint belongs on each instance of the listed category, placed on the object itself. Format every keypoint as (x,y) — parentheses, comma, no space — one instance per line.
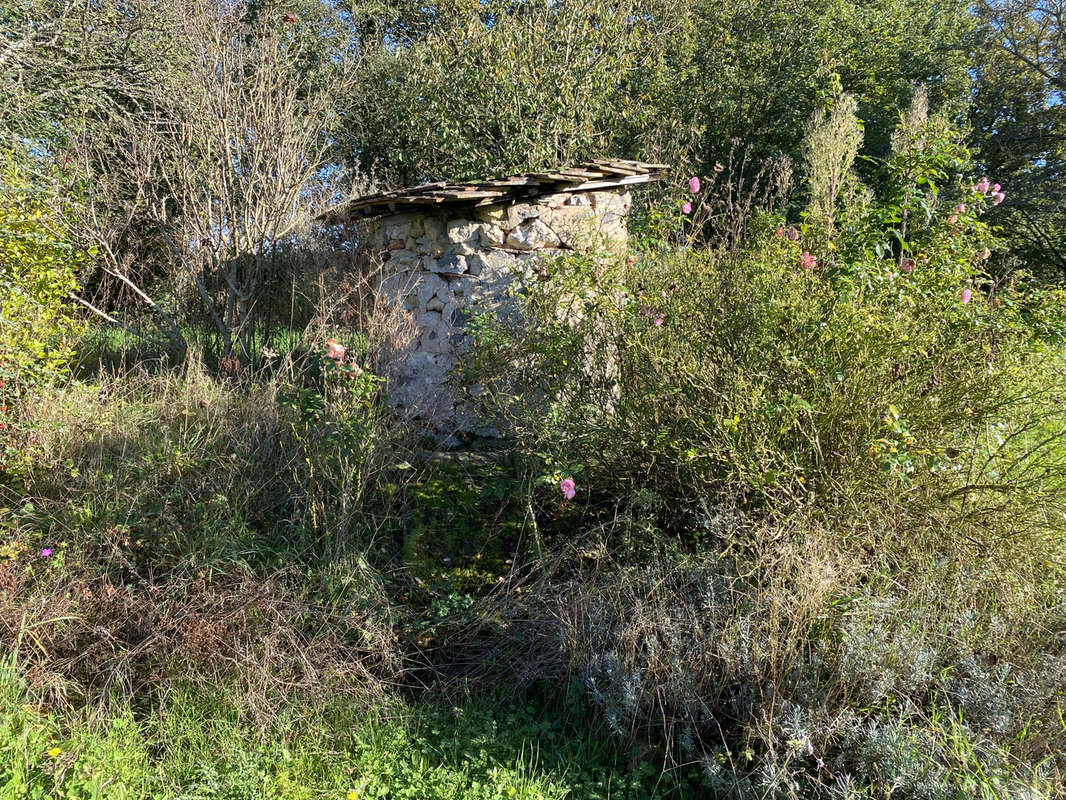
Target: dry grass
(86,639)
(180,510)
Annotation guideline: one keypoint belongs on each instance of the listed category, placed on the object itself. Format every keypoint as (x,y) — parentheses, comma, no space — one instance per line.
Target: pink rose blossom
(965,296)
(960,208)
(953,219)
(335,350)
(686,208)
(998,197)
(660,319)
(981,186)
(995,187)
(568,488)
(907,265)
(694,184)
(780,232)
(809,261)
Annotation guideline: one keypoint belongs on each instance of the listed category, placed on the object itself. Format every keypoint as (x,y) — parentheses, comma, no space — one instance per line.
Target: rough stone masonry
(444,270)
(451,251)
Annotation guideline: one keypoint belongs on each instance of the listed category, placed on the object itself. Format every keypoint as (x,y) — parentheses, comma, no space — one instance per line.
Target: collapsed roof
(599,175)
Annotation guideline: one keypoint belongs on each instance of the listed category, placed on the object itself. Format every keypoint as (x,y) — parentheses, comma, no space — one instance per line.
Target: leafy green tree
(1019,123)
(516,86)
(37,274)
(463,89)
(764,68)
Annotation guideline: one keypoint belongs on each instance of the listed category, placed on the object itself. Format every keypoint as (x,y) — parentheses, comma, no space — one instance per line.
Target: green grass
(193,745)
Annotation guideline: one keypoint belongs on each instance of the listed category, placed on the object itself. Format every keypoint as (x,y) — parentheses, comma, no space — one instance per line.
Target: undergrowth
(780,515)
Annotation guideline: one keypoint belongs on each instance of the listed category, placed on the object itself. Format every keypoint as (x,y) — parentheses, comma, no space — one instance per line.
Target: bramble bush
(831,460)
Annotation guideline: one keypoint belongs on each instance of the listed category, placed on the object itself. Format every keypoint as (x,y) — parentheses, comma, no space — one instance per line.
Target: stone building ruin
(452,250)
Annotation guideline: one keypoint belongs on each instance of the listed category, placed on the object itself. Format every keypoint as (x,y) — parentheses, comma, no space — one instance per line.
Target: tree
(463,89)
(220,162)
(512,86)
(37,275)
(1019,122)
(765,68)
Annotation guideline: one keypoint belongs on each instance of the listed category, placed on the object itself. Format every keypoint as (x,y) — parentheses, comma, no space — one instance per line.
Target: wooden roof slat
(583,173)
(514,180)
(597,174)
(610,183)
(554,176)
(414,201)
(425,186)
(617,169)
(466,193)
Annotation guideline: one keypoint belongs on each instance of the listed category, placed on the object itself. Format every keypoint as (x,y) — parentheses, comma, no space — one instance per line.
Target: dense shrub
(793,669)
(37,269)
(826,465)
(868,376)
(37,272)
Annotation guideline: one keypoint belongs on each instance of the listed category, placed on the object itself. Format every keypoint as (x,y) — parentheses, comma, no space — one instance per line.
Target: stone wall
(443,267)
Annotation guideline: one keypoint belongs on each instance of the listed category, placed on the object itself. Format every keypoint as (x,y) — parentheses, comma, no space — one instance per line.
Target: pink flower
(995,187)
(660,319)
(780,232)
(694,184)
(686,208)
(335,350)
(965,296)
(998,197)
(981,186)
(907,265)
(952,219)
(793,234)
(960,208)
(809,261)
(568,488)
(46,552)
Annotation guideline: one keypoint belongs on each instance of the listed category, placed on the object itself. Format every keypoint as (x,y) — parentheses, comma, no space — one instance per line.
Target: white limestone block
(491,235)
(532,235)
(461,231)
(519,213)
